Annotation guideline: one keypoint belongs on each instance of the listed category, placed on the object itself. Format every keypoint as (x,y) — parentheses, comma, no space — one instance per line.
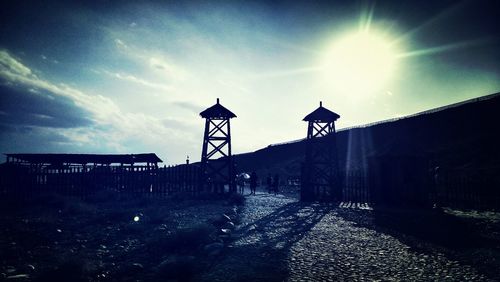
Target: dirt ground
(108,239)
(274,238)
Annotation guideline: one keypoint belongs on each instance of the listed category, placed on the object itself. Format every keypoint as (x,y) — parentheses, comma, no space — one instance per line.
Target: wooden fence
(455,188)
(355,187)
(458,188)
(467,189)
(26,181)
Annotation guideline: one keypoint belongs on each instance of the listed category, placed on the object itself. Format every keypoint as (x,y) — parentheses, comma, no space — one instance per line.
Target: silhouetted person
(240,182)
(253,182)
(269,182)
(276,183)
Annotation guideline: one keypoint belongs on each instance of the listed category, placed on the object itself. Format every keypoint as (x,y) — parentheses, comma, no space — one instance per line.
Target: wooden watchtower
(217,166)
(320,172)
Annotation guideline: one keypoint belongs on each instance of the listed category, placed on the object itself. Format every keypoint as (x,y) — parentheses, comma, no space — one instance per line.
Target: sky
(126,77)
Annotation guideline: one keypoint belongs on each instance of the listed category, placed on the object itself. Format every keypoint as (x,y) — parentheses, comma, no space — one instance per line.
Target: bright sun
(360,63)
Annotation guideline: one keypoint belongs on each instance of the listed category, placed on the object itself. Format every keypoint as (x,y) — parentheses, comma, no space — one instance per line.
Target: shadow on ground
(431,231)
(261,248)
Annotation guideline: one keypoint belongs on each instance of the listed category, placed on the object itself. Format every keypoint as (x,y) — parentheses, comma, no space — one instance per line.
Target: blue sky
(104,77)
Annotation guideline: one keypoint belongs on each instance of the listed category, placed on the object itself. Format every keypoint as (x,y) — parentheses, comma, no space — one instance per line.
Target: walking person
(253,182)
(240,182)
(276,183)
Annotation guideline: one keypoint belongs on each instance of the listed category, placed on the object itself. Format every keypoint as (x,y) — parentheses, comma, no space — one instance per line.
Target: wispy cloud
(120,44)
(188,105)
(9,65)
(156,61)
(45,58)
(160,64)
(110,127)
(140,81)
(14,72)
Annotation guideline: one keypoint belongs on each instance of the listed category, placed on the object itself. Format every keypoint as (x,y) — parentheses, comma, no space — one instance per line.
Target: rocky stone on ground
(228,225)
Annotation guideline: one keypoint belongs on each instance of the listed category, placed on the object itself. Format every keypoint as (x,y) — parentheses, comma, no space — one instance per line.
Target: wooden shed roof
(321,114)
(86,158)
(217,111)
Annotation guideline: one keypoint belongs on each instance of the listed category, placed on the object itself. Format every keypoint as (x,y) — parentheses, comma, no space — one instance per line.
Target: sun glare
(359,63)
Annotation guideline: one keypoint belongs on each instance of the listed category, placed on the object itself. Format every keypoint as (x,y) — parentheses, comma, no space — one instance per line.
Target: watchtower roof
(321,114)
(217,111)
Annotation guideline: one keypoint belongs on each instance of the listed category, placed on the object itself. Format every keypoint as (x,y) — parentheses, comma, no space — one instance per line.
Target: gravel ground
(276,238)
(280,239)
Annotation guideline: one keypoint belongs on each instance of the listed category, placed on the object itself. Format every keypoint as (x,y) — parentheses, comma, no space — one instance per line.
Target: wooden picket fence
(467,189)
(459,188)
(25,181)
(355,187)
(455,188)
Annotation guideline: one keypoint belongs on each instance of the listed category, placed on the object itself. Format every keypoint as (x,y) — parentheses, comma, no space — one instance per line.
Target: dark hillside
(464,135)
